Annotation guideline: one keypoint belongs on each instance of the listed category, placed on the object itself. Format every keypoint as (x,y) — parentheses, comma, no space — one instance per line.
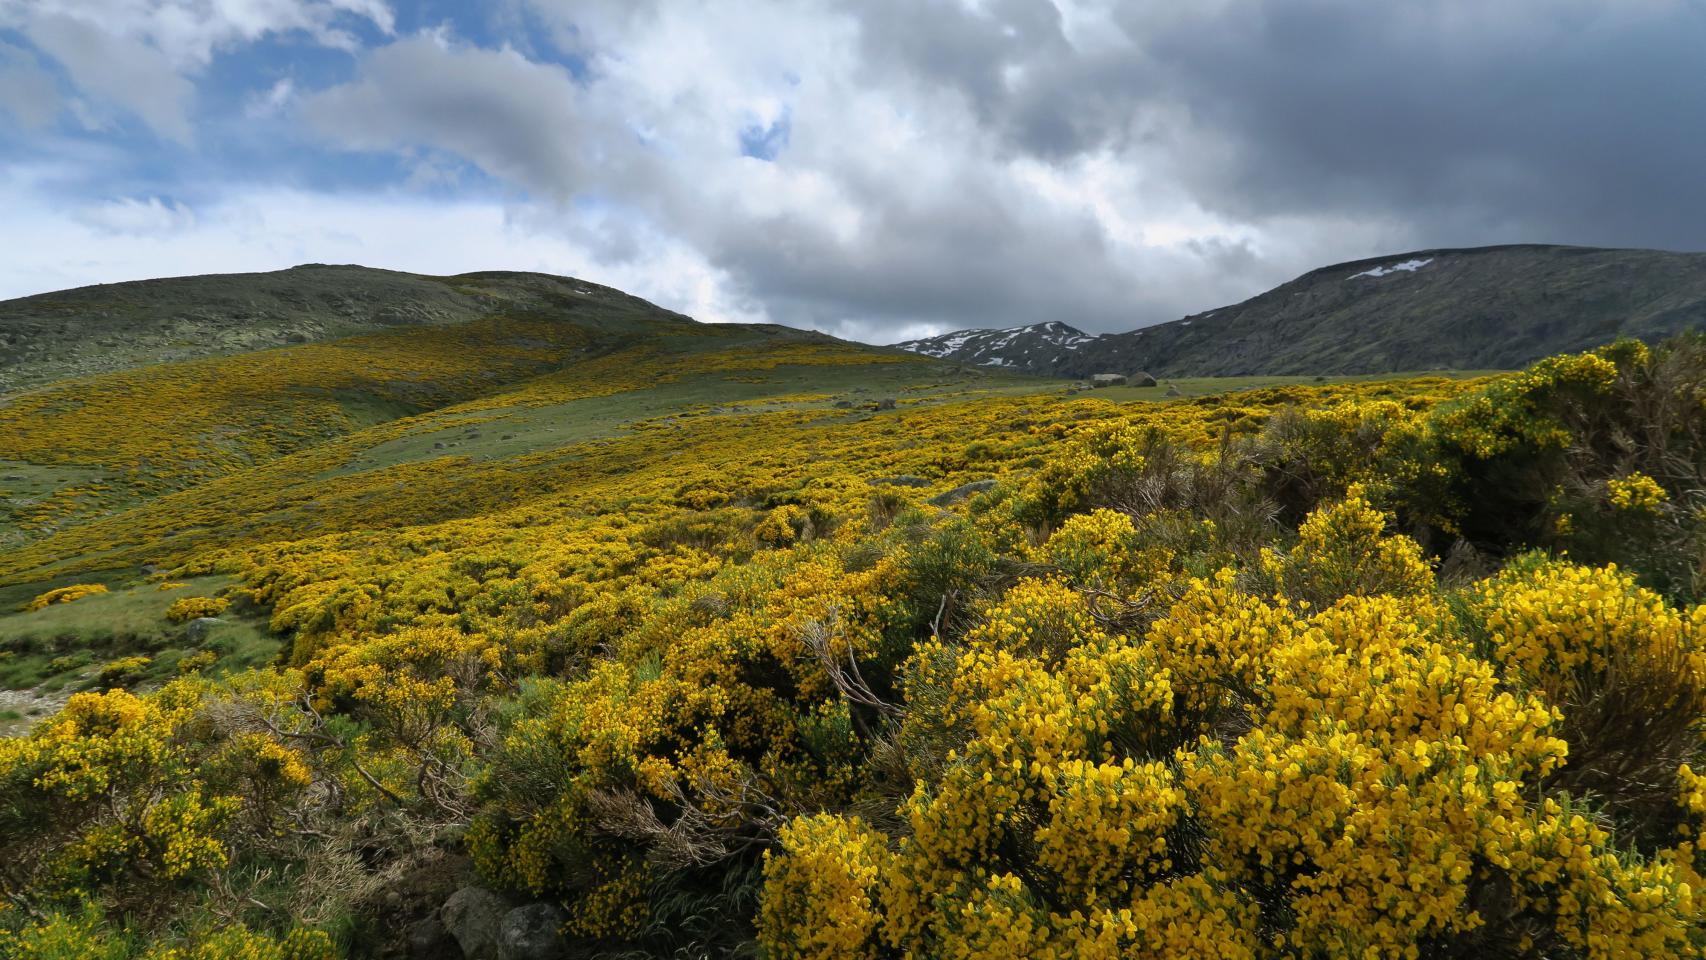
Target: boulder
(961,492)
(473,916)
(886,403)
(843,404)
(533,932)
(426,939)
(1173,391)
(1140,379)
(198,629)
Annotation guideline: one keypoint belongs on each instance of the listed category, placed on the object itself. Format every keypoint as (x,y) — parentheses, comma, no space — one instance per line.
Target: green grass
(505,432)
(24,484)
(63,648)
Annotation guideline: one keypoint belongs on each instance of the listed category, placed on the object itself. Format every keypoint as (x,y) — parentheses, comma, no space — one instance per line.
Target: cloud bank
(880,169)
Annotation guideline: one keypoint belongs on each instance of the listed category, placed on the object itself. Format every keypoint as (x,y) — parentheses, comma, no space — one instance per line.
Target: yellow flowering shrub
(194,608)
(1637,492)
(76,591)
(1343,550)
(830,864)
(1561,627)
(1103,548)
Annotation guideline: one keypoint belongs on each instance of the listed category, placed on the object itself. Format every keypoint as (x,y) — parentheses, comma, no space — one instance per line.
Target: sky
(877,170)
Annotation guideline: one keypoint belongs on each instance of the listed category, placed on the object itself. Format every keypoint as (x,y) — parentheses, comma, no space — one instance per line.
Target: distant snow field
(1408,266)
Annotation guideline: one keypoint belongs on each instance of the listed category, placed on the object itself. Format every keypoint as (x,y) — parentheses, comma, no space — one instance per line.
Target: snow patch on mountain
(1408,266)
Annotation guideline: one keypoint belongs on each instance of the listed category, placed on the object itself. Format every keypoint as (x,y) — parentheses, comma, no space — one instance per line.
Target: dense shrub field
(1387,670)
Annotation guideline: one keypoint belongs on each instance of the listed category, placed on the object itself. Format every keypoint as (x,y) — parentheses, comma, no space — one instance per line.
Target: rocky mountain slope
(1480,308)
(1003,348)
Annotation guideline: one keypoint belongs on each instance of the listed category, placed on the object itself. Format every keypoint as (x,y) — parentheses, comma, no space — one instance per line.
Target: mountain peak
(1010,347)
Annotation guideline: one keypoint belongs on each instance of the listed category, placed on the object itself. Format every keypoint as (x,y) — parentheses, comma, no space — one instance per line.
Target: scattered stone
(904,480)
(200,627)
(533,932)
(961,492)
(473,915)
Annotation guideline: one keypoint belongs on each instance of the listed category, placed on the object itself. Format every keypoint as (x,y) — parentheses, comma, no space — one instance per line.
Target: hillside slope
(380,347)
(117,326)
(1481,308)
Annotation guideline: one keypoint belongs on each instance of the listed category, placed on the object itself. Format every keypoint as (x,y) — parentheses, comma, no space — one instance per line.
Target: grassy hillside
(93,445)
(118,326)
(726,641)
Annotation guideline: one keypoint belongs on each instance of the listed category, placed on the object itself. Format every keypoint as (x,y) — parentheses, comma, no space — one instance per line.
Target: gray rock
(198,629)
(1140,379)
(427,939)
(473,915)
(843,404)
(886,403)
(961,492)
(1173,391)
(904,480)
(533,932)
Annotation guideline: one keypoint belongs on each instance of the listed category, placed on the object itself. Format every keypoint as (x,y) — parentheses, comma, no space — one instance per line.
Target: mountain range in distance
(1482,308)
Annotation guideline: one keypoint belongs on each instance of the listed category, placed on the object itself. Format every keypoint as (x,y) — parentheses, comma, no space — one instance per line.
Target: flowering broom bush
(1309,672)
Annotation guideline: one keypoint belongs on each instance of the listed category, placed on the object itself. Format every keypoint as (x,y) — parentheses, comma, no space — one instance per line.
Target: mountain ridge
(1495,307)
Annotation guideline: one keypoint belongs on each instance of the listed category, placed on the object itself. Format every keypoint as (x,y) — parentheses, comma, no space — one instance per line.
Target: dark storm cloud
(1581,123)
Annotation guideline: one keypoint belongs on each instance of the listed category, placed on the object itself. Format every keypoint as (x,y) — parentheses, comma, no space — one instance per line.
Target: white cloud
(137,217)
(142,55)
(188,32)
(519,120)
(275,99)
(118,69)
